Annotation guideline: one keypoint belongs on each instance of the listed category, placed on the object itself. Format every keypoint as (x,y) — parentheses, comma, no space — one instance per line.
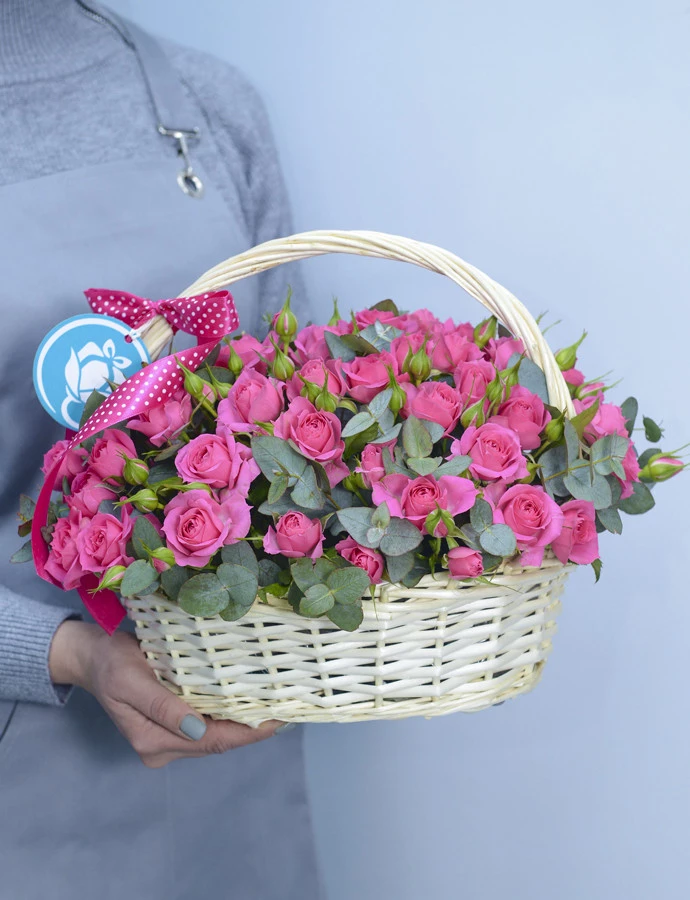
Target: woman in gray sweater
(90,196)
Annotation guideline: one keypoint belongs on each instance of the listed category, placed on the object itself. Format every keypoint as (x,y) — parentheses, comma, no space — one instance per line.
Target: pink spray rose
(311,343)
(369,560)
(160,423)
(250,350)
(219,461)
(525,414)
(434,401)
(578,540)
(574,377)
(63,562)
(367,376)
(196,525)
(317,371)
(406,343)
(369,316)
(471,379)
(295,535)
(631,467)
(415,498)
(608,419)
(252,398)
(499,350)
(465,563)
(317,436)
(88,492)
(371,467)
(495,451)
(109,452)
(102,541)
(72,464)
(535,518)
(449,350)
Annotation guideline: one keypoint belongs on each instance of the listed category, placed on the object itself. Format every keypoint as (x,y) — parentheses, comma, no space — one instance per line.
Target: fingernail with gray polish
(193,727)
(286,726)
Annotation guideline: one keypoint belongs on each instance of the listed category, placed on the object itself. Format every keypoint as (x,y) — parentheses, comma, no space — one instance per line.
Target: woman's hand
(160,726)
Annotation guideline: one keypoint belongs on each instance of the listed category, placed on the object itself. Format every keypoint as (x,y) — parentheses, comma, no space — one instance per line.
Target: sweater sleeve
(238,122)
(26,632)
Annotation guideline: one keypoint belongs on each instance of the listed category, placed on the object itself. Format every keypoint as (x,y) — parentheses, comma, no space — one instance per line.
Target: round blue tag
(81,355)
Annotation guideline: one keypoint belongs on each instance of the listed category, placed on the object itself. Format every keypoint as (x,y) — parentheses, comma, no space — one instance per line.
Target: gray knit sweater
(72,95)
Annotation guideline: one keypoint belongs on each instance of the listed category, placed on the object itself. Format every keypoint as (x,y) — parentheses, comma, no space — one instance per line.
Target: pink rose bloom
(578,540)
(72,463)
(311,343)
(499,350)
(631,467)
(534,517)
(574,377)
(525,414)
(471,379)
(369,560)
(63,561)
(316,371)
(219,461)
(196,526)
(295,535)
(451,349)
(316,434)
(414,498)
(495,451)
(434,401)
(109,452)
(252,398)
(102,541)
(422,320)
(369,316)
(371,467)
(250,350)
(88,492)
(160,423)
(405,344)
(367,376)
(465,563)
(609,419)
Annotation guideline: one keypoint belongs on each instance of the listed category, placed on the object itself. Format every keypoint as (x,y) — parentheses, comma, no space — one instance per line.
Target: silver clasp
(187,179)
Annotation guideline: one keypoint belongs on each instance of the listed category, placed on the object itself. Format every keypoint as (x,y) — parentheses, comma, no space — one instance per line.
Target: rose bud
(285,324)
(235,362)
(165,556)
(145,500)
(485,331)
(465,563)
(473,415)
(112,578)
(283,367)
(419,365)
(326,401)
(336,317)
(135,471)
(661,467)
(399,398)
(554,430)
(567,357)
(494,391)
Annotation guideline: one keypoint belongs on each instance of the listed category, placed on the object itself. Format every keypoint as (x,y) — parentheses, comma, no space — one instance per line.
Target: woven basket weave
(440,647)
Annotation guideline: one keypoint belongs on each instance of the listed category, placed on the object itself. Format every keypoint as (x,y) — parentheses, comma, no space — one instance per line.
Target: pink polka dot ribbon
(206,316)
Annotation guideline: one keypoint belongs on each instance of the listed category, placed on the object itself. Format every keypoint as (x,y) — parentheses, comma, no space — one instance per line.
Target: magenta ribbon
(208,317)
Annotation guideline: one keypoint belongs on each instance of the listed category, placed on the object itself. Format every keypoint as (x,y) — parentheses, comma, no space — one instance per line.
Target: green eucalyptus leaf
(240,554)
(269,572)
(357,424)
(356,342)
(202,595)
(138,579)
(25,528)
(144,536)
(380,334)
(610,518)
(162,472)
(27,506)
(424,466)
(381,516)
(553,462)
(379,405)
(399,567)
(531,377)
(347,616)
(647,455)
(307,572)
(93,401)
(277,488)
(24,554)
(390,435)
(400,537)
(597,566)
(241,583)
(435,430)
(348,584)
(357,520)
(458,465)
(582,419)
(374,535)
(275,457)
(630,408)
(498,540)
(338,348)
(640,502)
(173,579)
(386,305)
(481,515)
(358,442)
(317,600)
(572,441)
(306,492)
(416,439)
(234,610)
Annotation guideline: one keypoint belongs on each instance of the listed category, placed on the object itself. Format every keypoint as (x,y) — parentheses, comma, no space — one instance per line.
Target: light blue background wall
(549,144)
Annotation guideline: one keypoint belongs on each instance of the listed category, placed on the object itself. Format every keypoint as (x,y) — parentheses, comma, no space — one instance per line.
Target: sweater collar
(42,39)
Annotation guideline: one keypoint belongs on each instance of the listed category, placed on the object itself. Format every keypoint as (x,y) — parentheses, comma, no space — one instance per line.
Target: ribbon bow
(206,316)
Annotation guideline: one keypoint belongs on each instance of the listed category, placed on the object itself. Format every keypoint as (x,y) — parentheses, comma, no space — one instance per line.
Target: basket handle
(500,302)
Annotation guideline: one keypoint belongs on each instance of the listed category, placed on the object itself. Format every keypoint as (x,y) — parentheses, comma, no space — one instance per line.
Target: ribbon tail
(104,606)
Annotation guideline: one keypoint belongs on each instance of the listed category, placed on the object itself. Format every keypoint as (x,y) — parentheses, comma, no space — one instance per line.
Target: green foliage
(173,579)
(641,501)
(93,401)
(416,439)
(652,431)
(610,519)
(24,554)
(140,578)
(597,567)
(346,617)
(531,377)
(498,540)
(203,595)
(145,538)
(630,409)
(399,567)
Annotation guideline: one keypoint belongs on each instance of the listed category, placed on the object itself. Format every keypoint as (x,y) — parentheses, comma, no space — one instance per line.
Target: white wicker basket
(434,649)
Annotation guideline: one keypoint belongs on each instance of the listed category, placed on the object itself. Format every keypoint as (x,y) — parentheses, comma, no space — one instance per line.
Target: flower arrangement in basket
(372,518)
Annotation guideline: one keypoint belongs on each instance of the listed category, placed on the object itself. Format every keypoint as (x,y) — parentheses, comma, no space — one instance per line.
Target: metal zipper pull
(187,179)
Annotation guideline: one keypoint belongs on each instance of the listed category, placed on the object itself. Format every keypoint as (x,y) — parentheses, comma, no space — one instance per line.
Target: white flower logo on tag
(90,369)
